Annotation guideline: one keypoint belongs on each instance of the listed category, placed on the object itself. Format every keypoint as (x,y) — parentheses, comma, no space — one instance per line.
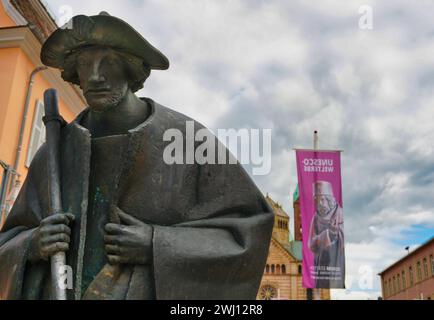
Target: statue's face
(323,204)
(103,78)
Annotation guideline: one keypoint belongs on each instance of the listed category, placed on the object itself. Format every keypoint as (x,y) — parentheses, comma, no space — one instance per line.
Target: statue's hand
(52,236)
(129,242)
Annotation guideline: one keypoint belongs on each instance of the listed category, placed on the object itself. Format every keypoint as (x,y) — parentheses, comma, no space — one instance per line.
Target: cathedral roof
(293,248)
(277,207)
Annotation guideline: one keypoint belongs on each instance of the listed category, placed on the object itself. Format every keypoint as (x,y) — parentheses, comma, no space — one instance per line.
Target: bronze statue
(132,226)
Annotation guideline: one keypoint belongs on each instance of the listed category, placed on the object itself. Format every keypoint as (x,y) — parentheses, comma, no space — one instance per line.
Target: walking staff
(53,123)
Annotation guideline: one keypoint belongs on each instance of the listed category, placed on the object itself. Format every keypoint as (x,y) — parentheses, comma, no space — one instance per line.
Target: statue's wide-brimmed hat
(100,30)
(322,188)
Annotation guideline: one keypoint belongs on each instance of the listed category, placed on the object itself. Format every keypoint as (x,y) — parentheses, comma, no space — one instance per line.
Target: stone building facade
(283,272)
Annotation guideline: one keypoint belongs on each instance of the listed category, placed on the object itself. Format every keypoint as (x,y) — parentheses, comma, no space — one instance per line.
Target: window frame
(37,125)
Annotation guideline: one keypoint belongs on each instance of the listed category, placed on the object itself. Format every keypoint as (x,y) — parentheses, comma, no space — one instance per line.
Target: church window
(272,268)
(278,269)
(283,269)
(267,268)
(299,269)
(267,292)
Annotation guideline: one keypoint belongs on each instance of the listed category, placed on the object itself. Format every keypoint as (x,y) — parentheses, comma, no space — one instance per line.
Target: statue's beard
(323,210)
(106,102)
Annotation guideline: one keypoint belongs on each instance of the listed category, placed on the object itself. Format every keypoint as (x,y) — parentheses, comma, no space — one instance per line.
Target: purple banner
(320,188)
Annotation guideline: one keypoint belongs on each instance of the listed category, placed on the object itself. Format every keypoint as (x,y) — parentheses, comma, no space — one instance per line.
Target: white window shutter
(37,137)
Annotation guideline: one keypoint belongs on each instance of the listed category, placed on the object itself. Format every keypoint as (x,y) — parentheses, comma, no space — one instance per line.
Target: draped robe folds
(211,225)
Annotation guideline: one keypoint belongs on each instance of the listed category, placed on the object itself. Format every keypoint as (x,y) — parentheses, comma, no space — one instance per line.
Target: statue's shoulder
(168,118)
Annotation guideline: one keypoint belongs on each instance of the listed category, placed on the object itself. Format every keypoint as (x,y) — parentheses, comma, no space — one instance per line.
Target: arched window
(386,292)
(272,268)
(410,271)
(283,268)
(278,269)
(425,268)
(299,269)
(404,280)
(267,268)
(398,279)
(419,272)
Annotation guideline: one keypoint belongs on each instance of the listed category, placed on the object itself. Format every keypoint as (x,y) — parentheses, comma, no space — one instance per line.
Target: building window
(267,292)
(37,137)
(394,284)
(267,268)
(386,292)
(278,269)
(431,257)
(272,268)
(309,294)
(404,280)
(398,280)
(410,269)
(390,287)
(425,268)
(299,269)
(283,269)
(419,272)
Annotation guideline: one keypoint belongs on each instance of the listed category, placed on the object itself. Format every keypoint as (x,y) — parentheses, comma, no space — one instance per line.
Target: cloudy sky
(299,66)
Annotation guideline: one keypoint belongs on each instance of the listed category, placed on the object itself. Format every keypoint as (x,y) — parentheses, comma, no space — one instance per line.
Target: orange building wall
(14,84)
(8,61)
(5,20)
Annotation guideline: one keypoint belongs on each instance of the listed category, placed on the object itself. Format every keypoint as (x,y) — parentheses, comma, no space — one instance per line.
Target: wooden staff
(53,123)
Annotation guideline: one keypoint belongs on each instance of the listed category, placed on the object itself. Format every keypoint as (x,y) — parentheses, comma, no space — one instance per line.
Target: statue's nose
(95,74)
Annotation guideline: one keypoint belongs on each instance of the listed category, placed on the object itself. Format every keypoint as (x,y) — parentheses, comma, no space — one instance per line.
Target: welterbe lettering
(318,165)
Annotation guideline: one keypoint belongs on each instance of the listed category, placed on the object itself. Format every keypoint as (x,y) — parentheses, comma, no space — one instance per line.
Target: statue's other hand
(129,242)
(52,236)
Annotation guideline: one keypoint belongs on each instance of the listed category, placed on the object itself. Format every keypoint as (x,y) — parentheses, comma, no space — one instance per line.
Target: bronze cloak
(212,226)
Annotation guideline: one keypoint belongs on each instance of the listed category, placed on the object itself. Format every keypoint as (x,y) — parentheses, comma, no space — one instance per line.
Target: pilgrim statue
(133,226)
